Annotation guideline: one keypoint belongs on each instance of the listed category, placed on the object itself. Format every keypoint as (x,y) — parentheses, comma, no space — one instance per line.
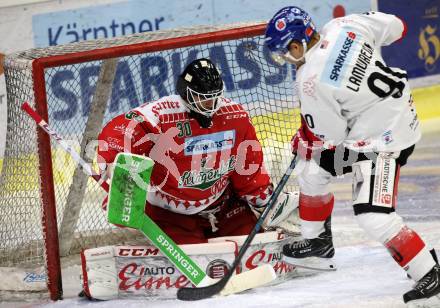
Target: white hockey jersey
(348,95)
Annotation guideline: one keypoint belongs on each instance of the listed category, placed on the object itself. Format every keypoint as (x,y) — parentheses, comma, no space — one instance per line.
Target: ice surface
(366,277)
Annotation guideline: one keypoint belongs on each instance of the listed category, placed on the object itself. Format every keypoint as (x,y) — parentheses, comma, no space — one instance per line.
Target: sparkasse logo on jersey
(339,57)
(210,143)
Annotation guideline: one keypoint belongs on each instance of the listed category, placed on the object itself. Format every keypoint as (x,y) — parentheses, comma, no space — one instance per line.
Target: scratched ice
(366,277)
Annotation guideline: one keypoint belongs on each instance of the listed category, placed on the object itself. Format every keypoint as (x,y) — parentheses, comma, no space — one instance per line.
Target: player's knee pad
(380,226)
(375,184)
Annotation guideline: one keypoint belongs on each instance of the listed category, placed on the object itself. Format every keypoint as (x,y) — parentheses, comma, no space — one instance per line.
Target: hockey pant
(228,218)
(375,183)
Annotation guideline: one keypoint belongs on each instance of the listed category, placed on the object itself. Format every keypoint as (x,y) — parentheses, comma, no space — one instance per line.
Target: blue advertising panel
(147,77)
(128,17)
(419,52)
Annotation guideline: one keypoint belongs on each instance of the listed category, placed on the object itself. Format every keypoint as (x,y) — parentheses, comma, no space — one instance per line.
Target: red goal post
(48,207)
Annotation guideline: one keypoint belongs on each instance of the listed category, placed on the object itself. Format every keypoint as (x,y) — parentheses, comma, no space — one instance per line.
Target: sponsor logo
(217,268)
(385,175)
(267,256)
(123,129)
(236,116)
(309,87)
(280,24)
(210,143)
(134,115)
(180,259)
(235,211)
(128,192)
(386,199)
(116,146)
(135,277)
(429,42)
(383,182)
(206,177)
(324,44)
(361,143)
(102,253)
(35,277)
(387,137)
(161,105)
(138,252)
(358,72)
(341,54)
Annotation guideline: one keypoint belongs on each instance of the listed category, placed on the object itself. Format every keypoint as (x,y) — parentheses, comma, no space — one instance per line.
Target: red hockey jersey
(193,165)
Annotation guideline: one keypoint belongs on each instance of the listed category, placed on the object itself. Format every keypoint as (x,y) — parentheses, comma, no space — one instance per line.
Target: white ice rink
(366,277)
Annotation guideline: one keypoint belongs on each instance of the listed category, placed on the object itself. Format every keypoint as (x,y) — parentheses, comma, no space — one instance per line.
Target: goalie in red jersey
(208,179)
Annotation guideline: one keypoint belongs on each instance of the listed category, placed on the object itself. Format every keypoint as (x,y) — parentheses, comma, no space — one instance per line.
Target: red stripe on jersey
(405,246)
(315,208)
(396,185)
(405,29)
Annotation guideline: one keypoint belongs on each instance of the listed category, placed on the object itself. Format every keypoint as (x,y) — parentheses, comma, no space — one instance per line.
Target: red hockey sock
(313,211)
(315,208)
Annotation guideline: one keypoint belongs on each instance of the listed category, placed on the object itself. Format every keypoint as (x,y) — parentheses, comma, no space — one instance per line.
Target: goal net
(48,208)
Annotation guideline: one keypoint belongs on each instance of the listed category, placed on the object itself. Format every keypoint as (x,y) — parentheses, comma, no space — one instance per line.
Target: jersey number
(184,129)
(393,88)
(309,120)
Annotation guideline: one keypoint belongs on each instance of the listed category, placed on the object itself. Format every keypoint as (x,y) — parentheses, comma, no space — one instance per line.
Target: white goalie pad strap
(99,273)
(373,187)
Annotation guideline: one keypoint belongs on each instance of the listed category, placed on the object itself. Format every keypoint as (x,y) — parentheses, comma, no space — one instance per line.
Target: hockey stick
(240,282)
(76,157)
(127,197)
(190,294)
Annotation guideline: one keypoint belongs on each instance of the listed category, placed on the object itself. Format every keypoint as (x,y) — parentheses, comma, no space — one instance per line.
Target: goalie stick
(191,294)
(240,282)
(66,147)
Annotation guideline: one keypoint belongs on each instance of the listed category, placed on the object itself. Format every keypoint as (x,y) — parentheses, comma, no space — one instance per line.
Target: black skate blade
(312,263)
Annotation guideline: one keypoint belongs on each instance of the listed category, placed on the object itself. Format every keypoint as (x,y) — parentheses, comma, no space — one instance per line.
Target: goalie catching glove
(283,215)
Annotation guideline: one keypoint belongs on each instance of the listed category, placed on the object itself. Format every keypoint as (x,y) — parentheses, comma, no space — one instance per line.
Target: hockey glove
(283,215)
(305,143)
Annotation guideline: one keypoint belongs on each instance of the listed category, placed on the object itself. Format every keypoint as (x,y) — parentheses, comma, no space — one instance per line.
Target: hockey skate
(426,292)
(314,254)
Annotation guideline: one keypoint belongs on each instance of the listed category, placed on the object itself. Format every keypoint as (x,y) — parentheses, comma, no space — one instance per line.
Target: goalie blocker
(142,271)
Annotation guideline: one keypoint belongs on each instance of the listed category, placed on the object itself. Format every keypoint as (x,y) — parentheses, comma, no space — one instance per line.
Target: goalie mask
(288,24)
(201,86)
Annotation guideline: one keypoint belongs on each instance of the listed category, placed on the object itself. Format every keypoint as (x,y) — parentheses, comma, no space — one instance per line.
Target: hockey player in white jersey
(357,116)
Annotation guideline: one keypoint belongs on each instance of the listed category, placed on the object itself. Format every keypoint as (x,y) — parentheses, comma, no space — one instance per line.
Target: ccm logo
(137,252)
(236,116)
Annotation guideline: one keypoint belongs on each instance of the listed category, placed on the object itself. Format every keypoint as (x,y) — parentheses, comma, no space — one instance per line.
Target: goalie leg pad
(99,273)
(284,214)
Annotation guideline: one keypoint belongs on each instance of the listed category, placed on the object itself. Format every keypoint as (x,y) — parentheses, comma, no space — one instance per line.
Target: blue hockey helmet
(288,24)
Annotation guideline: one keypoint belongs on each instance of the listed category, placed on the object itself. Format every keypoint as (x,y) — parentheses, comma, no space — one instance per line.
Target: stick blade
(237,283)
(250,279)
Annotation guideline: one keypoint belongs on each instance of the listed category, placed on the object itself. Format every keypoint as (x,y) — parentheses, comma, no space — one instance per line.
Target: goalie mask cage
(48,207)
